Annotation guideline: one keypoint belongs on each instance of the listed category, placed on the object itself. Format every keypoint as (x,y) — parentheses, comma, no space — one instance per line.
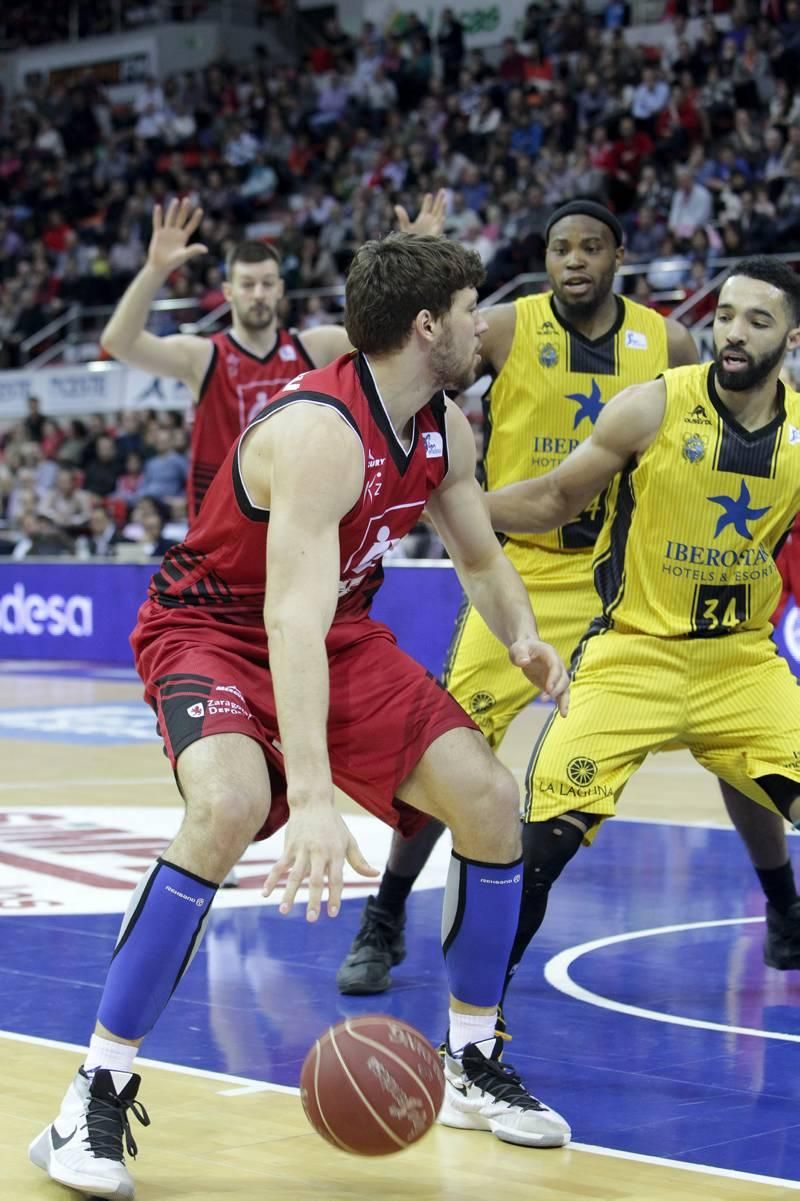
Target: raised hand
(316,844)
(429,220)
(172,230)
(542,664)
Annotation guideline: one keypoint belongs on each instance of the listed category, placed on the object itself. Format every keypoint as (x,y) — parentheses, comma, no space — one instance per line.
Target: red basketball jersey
(222,564)
(236,387)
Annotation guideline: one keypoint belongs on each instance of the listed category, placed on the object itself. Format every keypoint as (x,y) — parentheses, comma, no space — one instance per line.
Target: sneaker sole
(40,1155)
(779,966)
(359,989)
(364,990)
(520,1138)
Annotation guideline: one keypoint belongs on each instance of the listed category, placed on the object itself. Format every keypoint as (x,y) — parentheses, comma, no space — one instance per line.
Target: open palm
(172,230)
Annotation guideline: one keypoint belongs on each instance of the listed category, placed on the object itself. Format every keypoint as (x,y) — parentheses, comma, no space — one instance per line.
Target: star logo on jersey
(737,512)
(588,406)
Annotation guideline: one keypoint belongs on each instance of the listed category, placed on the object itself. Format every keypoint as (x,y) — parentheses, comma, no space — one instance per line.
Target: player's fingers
(335,885)
(402,217)
(440,203)
(357,860)
(172,212)
(194,221)
(556,675)
(293,881)
(194,251)
(427,204)
(158,218)
(276,874)
(316,883)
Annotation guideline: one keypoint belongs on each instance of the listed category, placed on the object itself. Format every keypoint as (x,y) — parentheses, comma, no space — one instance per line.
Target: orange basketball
(372,1085)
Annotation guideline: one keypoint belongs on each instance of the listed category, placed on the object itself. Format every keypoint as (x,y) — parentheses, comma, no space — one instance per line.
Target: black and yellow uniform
(545,402)
(685,569)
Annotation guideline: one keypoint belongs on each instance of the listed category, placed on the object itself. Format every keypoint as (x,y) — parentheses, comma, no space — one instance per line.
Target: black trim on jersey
(778,547)
(743,451)
(249,510)
(400,457)
(455,640)
(298,343)
(438,405)
(248,353)
(609,571)
(592,356)
(488,426)
(212,362)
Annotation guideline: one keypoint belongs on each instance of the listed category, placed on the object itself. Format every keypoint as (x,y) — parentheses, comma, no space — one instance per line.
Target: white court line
(250,1086)
(556,973)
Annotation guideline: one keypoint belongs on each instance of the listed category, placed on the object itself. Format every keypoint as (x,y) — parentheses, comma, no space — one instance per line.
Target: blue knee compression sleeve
(159,936)
(479,921)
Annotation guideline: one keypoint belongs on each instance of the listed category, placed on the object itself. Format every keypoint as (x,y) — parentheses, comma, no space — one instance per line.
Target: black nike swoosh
(58,1141)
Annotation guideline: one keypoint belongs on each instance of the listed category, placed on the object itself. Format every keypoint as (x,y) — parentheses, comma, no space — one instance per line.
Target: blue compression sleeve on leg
(159,936)
(479,921)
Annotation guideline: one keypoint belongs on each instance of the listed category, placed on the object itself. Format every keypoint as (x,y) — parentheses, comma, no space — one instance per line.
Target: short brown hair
(251,252)
(392,280)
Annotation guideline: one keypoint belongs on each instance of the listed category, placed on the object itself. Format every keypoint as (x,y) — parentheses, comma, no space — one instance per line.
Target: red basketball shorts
(202,676)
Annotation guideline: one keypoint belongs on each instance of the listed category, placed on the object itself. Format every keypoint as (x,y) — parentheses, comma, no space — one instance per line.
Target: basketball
(372,1085)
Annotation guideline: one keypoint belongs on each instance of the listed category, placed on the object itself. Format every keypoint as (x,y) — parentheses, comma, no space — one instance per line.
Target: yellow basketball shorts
(732,701)
(478,671)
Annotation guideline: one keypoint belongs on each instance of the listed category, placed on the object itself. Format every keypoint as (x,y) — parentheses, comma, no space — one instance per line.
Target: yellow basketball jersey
(687,548)
(549,393)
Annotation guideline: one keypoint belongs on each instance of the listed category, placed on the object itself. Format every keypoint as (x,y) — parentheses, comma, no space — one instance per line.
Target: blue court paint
(68,671)
(112,723)
(262,987)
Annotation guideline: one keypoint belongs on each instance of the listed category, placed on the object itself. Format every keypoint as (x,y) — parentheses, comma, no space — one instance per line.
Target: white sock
(103,1053)
(470,1028)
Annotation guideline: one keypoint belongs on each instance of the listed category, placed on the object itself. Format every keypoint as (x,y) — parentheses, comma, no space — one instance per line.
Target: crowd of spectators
(691,135)
(93,488)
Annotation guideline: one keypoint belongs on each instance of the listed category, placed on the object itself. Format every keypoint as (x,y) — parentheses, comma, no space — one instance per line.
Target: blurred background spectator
(688,127)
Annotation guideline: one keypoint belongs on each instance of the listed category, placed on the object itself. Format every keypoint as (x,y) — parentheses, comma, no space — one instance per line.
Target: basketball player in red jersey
(232,375)
(272,683)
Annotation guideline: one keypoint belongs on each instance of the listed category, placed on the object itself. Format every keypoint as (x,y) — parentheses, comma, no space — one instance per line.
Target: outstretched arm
(626,426)
(458,510)
(315,467)
(327,342)
(182,356)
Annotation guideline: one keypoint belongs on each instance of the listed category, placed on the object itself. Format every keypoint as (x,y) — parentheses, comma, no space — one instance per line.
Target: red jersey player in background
(272,683)
(232,375)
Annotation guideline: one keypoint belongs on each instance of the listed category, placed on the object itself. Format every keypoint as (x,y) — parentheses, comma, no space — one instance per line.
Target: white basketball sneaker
(481,1093)
(83,1148)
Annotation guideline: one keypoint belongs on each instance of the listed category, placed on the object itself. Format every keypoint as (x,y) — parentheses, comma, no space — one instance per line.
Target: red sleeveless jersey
(236,387)
(221,566)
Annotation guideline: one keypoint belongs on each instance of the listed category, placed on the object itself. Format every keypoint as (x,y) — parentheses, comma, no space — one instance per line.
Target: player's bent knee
(489,818)
(547,847)
(228,814)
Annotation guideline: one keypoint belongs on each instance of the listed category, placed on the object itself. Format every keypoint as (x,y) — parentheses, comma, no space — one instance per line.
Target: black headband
(586,208)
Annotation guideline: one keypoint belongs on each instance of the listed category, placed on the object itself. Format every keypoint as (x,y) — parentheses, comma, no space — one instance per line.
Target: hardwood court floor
(216,1135)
